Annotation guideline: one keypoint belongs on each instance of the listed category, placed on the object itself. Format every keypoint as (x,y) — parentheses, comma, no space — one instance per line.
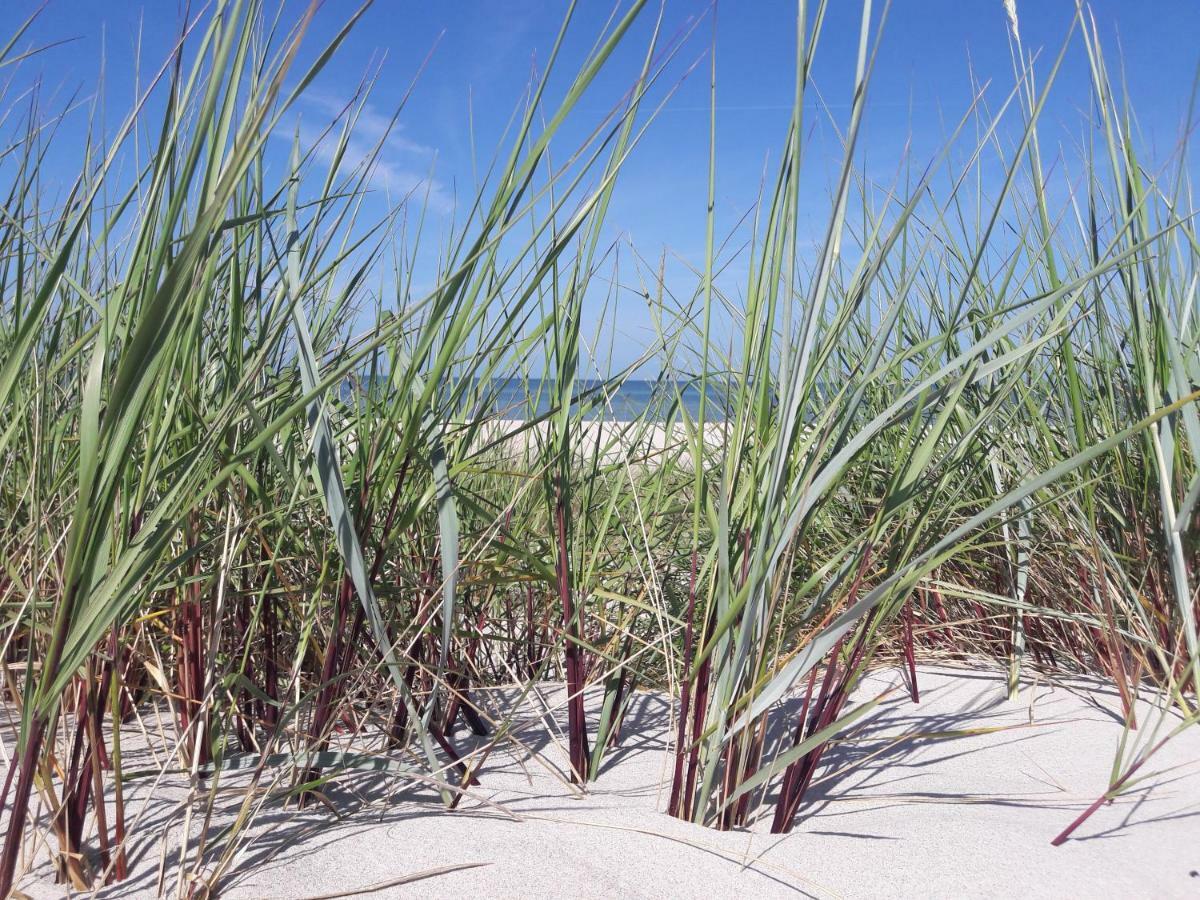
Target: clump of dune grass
(257,485)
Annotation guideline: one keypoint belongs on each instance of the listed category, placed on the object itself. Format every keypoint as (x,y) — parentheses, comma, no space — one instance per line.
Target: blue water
(626,401)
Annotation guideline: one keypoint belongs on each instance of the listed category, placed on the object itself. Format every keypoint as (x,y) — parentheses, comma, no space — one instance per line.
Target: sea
(624,401)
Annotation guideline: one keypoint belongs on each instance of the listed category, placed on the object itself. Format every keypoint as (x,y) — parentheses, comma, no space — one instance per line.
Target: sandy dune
(967,816)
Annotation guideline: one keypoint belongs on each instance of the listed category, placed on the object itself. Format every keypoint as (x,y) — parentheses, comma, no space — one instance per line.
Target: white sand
(612,441)
(963,817)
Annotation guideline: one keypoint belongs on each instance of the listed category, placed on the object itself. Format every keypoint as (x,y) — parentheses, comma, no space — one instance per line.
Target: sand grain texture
(966,816)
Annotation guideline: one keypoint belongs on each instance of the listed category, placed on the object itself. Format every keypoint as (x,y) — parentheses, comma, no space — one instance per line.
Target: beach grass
(255,477)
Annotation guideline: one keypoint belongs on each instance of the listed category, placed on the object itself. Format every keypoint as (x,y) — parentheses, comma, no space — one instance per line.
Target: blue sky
(484,52)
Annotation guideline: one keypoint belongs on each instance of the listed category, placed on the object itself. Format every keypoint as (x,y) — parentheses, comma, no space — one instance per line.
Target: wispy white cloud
(403,167)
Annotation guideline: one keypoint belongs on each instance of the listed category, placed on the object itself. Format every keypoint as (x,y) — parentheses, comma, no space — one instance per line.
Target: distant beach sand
(614,441)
